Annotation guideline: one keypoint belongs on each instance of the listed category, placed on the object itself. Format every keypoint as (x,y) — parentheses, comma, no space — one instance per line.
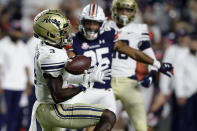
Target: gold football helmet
(53,28)
(126,4)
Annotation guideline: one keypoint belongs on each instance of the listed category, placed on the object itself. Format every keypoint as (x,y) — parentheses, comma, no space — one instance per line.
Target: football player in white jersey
(124,80)
(51,81)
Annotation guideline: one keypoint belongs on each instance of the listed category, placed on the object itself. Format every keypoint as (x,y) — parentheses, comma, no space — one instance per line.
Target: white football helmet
(92,12)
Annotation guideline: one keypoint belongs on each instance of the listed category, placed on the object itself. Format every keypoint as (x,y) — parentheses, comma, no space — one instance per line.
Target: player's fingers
(94,68)
(106,78)
(104,67)
(85,72)
(107,71)
(102,82)
(100,64)
(69,60)
(108,74)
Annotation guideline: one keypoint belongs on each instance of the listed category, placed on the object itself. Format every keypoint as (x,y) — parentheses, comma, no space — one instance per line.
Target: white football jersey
(132,34)
(48,60)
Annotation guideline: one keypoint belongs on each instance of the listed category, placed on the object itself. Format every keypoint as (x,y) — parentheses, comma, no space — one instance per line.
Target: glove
(167,69)
(147,80)
(86,82)
(100,74)
(152,119)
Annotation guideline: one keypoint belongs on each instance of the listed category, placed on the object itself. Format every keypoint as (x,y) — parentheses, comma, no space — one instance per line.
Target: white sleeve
(179,79)
(27,58)
(75,79)
(1,56)
(144,33)
(52,63)
(144,44)
(150,53)
(144,40)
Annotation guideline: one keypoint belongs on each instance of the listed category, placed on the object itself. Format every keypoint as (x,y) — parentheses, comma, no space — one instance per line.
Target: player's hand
(147,80)
(167,69)
(100,74)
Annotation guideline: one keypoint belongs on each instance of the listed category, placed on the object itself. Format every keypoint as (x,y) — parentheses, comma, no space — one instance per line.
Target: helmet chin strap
(124,19)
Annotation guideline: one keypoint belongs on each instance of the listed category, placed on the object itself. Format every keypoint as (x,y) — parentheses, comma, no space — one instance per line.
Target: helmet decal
(48,19)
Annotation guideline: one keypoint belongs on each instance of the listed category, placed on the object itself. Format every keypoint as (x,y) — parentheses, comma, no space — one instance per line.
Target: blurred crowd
(172,25)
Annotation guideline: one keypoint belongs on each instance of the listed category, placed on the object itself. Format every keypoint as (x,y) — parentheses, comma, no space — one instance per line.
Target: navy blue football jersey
(101,49)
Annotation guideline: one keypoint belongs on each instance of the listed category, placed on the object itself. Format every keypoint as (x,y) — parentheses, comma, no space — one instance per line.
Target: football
(78,64)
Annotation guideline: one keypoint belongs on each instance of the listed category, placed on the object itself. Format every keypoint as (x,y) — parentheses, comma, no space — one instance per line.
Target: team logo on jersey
(85,46)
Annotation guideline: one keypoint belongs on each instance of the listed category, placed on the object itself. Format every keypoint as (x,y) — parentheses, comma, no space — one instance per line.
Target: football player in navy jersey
(99,41)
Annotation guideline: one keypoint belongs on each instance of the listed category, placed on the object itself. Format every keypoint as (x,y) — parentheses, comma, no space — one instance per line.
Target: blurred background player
(15,78)
(178,44)
(186,91)
(124,79)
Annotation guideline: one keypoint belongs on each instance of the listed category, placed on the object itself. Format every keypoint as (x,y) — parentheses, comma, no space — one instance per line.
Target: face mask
(124,19)
(91,35)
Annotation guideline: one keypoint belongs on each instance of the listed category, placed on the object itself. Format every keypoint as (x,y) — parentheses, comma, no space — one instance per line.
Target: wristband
(156,64)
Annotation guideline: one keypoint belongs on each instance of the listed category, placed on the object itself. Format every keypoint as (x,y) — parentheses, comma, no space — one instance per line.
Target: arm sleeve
(145,46)
(75,79)
(149,52)
(52,64)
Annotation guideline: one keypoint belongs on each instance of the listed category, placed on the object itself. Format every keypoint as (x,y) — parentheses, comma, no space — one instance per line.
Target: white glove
(86,81)
(100,74)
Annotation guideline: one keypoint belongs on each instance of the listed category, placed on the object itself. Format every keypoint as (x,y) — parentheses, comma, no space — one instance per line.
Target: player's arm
(165,68)
(28,83)
(52,67)
(133,53)
(58,93)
